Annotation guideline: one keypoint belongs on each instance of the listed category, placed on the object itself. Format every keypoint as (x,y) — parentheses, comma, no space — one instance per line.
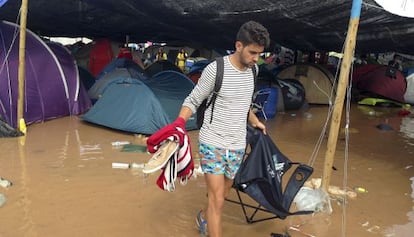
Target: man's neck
(233,58)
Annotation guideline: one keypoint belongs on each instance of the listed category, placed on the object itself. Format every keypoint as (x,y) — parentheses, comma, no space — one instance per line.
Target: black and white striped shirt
(228,127)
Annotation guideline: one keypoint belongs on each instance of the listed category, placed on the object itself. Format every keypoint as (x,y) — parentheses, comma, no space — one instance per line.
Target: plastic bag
(308,199)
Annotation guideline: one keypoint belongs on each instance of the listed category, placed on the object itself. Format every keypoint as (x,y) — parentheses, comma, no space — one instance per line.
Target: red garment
(125,53)
(181,163)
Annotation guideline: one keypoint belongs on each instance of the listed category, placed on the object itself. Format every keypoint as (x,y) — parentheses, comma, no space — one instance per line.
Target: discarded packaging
(5,183)
(315,183)
(120,143)
(117,165)
(2,199)
(360,190)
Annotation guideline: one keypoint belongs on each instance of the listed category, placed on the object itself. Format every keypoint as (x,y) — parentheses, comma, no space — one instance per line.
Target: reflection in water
(407,229)
(88,152)
(28,224)
(407,127)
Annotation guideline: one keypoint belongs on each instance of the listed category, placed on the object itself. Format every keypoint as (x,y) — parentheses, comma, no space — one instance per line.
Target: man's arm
(185,113)
(255,122)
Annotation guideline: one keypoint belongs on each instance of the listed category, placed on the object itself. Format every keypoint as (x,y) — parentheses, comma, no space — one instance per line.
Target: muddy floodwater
(64,184)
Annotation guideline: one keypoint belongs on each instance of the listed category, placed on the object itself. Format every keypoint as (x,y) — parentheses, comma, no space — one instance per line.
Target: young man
(222,142)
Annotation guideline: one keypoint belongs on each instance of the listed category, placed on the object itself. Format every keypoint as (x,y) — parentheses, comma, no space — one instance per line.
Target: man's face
(249,54)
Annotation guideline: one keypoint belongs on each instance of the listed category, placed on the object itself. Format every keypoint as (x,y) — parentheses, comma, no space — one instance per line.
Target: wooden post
(341,91)
(21,81)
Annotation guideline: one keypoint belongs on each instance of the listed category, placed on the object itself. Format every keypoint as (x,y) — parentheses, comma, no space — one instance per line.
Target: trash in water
(118,165)
(307,115)
(5,183)
(384,127)
(2,199)
(308,199)
(120,143)
(360,190)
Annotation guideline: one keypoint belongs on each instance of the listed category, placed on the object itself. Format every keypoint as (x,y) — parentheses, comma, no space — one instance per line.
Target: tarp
(296,24)
(52,88)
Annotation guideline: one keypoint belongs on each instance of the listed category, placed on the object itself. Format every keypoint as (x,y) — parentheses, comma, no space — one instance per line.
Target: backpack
(217,85)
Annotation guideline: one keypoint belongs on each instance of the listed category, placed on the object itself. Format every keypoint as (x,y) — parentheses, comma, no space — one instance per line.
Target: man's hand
(260,126)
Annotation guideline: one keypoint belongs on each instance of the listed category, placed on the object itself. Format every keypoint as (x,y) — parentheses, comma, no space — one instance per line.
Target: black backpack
(217,85)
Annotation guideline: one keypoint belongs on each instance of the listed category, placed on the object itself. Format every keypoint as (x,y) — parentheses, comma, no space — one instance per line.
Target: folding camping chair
(259,101)
(260,177)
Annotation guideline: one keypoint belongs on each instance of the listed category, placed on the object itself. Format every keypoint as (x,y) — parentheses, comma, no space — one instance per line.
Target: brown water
(64,185)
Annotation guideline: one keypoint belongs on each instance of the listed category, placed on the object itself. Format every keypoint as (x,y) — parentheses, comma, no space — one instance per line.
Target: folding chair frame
(300,175)
(250,219)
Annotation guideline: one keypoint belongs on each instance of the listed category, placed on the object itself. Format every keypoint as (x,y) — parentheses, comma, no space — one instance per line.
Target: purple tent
(52,86)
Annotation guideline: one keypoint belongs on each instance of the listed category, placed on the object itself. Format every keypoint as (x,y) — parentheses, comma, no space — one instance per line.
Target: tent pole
(340,95)
(22,50)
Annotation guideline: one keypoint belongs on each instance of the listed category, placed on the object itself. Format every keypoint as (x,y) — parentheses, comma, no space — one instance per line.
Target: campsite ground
(64,185)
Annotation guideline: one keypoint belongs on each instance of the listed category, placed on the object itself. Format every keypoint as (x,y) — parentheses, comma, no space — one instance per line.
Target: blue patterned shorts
(216,160)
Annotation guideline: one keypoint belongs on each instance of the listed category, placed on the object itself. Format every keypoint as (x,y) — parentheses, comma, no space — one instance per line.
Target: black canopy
(297,24)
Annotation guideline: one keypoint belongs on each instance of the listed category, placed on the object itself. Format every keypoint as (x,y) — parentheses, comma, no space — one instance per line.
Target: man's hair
(253,32)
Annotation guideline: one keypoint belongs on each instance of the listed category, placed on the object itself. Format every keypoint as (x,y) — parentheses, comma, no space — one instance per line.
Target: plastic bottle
(117,165)
(120,143)
(360,190)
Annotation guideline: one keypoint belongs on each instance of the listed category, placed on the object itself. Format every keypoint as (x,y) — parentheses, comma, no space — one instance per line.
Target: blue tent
(141,106)
(97,89)
(171,88)
(130,65)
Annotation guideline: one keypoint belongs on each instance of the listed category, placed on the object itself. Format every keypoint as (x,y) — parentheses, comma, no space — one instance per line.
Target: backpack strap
(217,84)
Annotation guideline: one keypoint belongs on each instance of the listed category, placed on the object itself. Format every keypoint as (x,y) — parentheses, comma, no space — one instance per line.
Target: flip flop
(161,157)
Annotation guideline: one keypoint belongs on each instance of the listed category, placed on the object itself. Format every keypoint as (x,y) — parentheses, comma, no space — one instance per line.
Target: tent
(128,105)
(97,89)
(379,81)
(52,87)
(317,81)
(159,66)
(121,63)
(79,99)
(101,54)
(141,106)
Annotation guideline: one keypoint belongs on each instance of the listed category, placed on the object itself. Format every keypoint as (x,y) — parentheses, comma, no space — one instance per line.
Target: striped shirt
(228,127)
